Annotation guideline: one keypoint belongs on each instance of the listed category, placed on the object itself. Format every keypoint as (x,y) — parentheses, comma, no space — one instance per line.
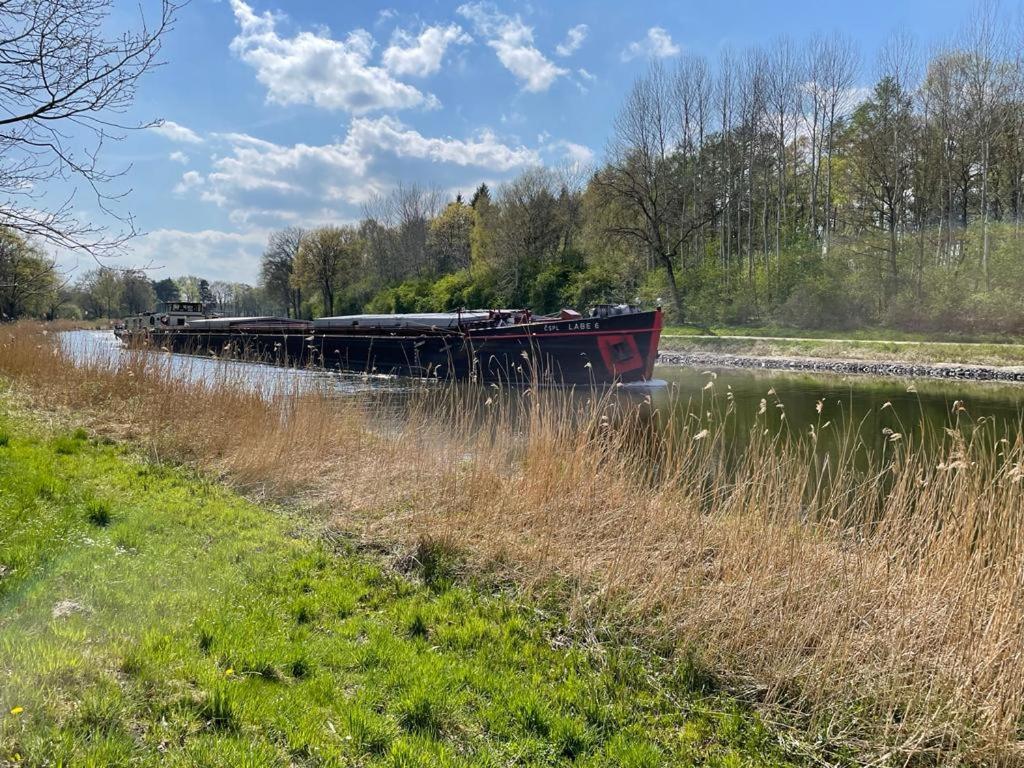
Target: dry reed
(880,602)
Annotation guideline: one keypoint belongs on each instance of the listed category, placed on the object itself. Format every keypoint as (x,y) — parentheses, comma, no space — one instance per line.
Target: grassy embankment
(869,345)
(877,607)
(149,616)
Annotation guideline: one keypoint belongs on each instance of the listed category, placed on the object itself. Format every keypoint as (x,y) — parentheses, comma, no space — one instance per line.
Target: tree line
(766,186)
(31,284)
(106,292)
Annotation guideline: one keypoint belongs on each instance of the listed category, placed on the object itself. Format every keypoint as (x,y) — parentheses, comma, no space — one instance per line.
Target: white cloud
(177,132)
(577,154)
(512,41)
(189,180)
(573,40)
(314,68)
(260,179)
(656,45)
(247,216)
(584,80)
(215,254)
(422,55)
(484,150)
(178,157)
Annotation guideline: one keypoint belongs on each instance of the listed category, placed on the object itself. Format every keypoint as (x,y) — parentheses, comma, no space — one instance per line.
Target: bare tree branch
(63,86)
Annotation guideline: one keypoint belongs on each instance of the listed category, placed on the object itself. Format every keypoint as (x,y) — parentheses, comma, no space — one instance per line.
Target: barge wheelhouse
(169,314)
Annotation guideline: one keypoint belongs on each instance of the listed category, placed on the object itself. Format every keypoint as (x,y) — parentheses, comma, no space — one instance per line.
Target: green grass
(857,334)
(151,617)
(893,350)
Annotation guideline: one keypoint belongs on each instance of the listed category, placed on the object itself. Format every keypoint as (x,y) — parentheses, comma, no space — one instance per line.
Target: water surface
(877,407)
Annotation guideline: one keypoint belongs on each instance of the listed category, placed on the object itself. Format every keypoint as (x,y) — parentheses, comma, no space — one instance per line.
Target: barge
(613,343)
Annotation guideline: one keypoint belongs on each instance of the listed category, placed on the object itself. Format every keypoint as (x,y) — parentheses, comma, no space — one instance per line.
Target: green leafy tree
(326,260)
(188,287)
(482,251)
(102,289)
(448,237)
(137,294)
(29,281)
(206,293)
(166,290)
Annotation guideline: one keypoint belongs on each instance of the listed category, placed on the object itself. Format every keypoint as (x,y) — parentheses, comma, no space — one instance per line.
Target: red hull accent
(652,353)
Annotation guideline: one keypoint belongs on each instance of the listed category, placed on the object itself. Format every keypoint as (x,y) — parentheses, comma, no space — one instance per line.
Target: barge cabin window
(185,306)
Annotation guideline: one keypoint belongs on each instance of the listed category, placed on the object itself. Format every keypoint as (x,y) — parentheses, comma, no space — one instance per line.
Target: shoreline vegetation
(876,347)
(867,602)
(867,365)
(291,647)
(829,366)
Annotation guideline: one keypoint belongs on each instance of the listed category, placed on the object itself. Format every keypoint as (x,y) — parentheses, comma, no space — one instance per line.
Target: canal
(880,410)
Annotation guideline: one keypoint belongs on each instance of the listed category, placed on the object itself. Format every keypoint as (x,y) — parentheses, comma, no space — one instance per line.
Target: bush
(410,296)
(68,312)
(549,290)
(546,291)
(818,303)
(998,310)
(459,290)
(449,292)
(593,285)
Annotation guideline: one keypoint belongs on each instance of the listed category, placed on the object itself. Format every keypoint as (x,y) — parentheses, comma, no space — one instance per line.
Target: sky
(279,113)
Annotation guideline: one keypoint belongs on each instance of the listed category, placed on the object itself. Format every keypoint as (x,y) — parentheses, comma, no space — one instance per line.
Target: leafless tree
(813,113)
(783,96)
(530,234)
(65,83)
(641,184)
(751,106)
(414,207)
(694,93)
(989,80)
(947,144)
(399,245)
(278,265)
(725,96)
(836,72)
(830,70)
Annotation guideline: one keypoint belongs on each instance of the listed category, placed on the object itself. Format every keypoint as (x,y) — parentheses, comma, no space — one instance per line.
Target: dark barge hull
(590,350)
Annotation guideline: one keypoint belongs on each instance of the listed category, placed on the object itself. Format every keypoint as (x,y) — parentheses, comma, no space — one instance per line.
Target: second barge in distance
(614,343)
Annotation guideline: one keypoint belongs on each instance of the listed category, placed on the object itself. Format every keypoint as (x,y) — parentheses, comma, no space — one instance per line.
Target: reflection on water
(102,347)
(793,402)
(876,407)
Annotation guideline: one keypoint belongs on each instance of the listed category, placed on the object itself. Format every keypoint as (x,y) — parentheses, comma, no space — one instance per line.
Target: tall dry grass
(879,601)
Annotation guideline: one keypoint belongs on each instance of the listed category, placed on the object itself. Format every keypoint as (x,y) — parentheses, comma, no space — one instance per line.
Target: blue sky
(296,112)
